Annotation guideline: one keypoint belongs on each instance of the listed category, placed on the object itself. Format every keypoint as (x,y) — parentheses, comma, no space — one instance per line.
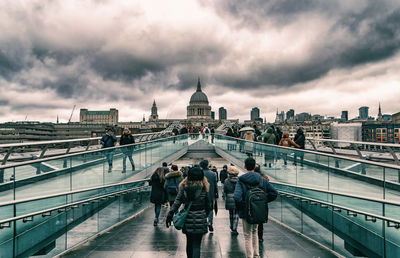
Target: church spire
(154,103)
(379,113)
(198,85)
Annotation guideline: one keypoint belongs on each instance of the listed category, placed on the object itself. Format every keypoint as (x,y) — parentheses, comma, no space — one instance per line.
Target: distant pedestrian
(127,139)
(193,189)
(286,142)
(229,189)
(165,167)
(172,181)
(175,133)
(212,131)
(278,135)
(157,196)
(223,174)
(269,153)
(231,146)
(183,130)
(248,145)
(300,139)
(250,211)
(108,141)
(213,193)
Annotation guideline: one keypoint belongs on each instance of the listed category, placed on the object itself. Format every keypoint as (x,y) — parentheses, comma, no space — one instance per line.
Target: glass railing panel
(368,206)
(313,229)
(108,214)
(39,205)
(49,180)
(6,241)
(86,225)
(292,216)
(7,185)
(392,243)
(392,184)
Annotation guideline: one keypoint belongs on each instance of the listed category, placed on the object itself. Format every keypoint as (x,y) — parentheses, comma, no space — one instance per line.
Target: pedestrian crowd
(246,198)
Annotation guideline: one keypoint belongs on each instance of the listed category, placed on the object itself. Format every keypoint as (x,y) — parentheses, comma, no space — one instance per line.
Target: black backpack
(172,186)
(256,209)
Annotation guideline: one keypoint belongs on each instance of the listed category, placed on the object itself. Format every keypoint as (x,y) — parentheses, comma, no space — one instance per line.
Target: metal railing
(38,150)
(357,148)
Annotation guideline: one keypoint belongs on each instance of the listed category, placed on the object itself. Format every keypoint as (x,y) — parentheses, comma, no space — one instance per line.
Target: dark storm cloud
(373,34)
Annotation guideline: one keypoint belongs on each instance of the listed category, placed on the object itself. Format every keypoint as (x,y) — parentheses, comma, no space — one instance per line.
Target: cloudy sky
(313,56)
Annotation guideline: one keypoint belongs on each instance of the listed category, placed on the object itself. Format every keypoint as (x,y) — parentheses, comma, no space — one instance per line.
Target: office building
(222,113)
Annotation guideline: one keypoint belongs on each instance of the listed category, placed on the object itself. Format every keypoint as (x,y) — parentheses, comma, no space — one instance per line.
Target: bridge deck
(138,238)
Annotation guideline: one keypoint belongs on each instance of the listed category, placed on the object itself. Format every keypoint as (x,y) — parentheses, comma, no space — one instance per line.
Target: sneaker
(210,228)
(109,170)
(133,168)
(234,233)
(155,222)
(124,170)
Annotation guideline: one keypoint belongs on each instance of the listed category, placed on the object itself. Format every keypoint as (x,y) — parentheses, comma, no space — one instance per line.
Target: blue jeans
(129,156)
(109,155)
(157,210)
(211,217)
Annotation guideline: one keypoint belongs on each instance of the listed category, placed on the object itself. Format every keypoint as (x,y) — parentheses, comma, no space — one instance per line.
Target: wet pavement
(139,238)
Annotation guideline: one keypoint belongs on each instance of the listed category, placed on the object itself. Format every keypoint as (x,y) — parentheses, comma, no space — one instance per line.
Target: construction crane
(69,120)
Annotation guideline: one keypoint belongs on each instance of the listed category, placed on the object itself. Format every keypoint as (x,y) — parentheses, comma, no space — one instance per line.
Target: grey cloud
(4,102)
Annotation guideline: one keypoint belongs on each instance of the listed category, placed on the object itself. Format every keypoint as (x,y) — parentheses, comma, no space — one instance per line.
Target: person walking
(127,138)
(212,131)
(229,189)
(108,141)
(171,185)
(260,229)
(246,186)
(269,154)
(286,142)
(157,195)
(248,145)
(193,189)
(183,130)
(213,192)
(300,139)
(165,167)
(223,174)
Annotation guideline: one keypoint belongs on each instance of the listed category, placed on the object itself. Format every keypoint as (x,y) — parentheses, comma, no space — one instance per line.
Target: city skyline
(319,57)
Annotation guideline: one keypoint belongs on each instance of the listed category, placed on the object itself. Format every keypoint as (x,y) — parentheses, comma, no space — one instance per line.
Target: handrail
(373,163)
(340,208)
(24,144)
(69,192)
(76,154)
(61,207)
(356,142)
(338,193)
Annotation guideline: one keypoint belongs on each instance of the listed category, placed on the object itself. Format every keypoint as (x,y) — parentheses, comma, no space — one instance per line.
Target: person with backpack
(269,154)
(157,195)
(260,229)
(126,139)
(193,191)
(286,142)
(108,141)
(252,195)
(212,131)
(229,189)
(171,185)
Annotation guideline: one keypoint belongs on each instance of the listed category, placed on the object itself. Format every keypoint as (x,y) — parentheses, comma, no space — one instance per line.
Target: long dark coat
(158,195)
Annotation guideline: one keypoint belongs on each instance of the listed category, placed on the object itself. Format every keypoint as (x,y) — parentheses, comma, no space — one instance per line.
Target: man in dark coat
(213,192)
(183,130)
(300,139)
(108,141)
(223,174)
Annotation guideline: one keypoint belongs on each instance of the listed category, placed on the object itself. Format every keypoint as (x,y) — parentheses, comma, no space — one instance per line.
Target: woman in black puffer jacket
(229,189)
(193,189)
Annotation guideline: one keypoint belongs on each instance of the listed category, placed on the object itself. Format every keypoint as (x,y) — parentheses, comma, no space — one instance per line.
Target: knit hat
(195,174)
(232,170)
(164,164)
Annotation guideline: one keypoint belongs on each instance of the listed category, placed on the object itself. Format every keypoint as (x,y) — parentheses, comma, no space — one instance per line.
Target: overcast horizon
(313,56)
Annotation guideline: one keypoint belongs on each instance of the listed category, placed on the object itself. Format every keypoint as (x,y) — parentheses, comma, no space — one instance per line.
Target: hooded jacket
(229,189)
(269,136)
(252,179)
(196,220)
(173,175)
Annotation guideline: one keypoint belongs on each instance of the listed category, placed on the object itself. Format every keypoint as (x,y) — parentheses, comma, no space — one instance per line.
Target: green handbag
(180,217)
